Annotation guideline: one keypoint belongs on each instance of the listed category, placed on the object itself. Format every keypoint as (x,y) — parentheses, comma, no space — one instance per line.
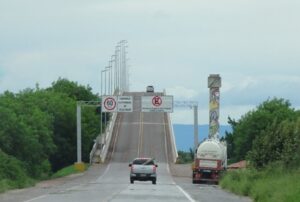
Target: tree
(254,124)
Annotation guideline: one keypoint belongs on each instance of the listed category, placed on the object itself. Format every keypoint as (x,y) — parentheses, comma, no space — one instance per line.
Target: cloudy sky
(172,44)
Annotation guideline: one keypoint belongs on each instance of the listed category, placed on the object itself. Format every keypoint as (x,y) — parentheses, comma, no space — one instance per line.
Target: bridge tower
(214,84)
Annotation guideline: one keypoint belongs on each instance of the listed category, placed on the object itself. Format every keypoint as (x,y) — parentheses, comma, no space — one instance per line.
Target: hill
(184,134)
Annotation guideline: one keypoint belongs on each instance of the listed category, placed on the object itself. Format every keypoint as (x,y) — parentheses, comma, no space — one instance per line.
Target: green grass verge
(66,171)
(274,184)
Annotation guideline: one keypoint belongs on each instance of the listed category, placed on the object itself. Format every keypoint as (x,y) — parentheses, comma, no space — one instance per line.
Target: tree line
(268,134)
(38,130)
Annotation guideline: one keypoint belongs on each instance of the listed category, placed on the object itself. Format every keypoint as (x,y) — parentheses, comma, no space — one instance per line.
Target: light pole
(113,73)
(103,71)
(117,67)
(108,68)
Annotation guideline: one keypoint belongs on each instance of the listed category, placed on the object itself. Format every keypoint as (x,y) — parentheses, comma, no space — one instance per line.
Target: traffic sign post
(157,104)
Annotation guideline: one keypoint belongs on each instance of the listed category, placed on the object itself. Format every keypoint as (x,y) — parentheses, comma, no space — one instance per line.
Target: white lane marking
(140,134)
(168,169)
(36,198)
(105,172)
(186,194)
(145,123)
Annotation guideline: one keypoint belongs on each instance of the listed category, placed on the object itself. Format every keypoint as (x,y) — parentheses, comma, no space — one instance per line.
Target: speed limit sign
(109,103)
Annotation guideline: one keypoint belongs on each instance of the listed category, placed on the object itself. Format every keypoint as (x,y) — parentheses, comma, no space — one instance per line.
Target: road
(136,134)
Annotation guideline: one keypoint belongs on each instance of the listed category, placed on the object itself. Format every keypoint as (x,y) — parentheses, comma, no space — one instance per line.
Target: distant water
(184,134)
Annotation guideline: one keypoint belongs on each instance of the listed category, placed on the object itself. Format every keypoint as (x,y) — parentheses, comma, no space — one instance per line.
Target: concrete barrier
(172,138)
(107,137)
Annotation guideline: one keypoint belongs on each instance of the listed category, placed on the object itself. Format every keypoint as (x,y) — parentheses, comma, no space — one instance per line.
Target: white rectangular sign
(157,104)
(125,103)
(117,103)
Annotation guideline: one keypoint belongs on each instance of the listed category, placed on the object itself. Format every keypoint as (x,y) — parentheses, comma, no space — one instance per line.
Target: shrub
(12,173)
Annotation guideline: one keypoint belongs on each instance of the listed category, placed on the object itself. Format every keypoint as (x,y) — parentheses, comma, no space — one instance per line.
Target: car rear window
(143,162)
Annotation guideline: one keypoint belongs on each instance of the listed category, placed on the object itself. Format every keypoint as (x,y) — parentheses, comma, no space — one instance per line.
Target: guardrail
(172,138)
(107,137)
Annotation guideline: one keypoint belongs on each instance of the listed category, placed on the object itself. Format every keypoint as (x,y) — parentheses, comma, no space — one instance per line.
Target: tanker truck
(210,161)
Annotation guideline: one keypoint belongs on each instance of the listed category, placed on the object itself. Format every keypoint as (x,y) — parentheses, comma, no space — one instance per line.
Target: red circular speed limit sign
(156,101)
(110,103)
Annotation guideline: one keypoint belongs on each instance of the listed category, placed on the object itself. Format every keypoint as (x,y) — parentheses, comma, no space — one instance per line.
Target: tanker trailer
(210,161)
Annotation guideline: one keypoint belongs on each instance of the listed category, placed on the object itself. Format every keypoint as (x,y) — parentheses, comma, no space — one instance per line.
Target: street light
(111,74)
(117,67)
(108,68)
(103,71)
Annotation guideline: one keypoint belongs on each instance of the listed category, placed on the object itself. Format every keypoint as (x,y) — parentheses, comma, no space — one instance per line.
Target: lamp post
(108,68)
(117,58)
(113,73)
(103,71)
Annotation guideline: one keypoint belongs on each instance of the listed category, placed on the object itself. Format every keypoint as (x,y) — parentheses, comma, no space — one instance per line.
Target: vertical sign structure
(214,84)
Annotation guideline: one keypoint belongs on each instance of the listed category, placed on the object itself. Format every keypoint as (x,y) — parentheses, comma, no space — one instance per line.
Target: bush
(272,183)
(12,173)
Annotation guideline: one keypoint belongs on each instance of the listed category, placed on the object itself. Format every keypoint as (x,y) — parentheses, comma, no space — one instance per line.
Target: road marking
(168,168)
(36,198)
(112,153)
(105,172)
(185,194)
(145,123)
(140,134)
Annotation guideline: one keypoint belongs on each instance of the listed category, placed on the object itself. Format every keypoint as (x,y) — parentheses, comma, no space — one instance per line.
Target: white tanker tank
(210,161)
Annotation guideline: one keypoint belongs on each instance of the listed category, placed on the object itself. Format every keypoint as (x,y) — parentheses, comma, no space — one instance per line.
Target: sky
(175,45)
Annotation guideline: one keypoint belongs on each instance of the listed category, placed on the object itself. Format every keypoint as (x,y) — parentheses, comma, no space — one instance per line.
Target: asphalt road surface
(136,135)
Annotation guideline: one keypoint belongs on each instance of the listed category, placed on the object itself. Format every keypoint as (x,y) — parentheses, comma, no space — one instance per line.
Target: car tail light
(131,168)
(154,169)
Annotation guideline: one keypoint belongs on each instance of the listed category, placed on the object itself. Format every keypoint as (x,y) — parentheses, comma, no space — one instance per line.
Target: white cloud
(186,116)
(173,44)
(182,93)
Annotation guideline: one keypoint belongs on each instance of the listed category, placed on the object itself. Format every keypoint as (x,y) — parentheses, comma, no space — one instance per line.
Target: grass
(6,184)
(66,171)
(274,184)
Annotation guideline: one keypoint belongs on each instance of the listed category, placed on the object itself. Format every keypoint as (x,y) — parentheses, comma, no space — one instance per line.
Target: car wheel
(153,181)
(131,181)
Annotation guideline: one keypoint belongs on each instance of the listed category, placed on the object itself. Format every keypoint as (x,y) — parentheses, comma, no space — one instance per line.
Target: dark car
(150,89)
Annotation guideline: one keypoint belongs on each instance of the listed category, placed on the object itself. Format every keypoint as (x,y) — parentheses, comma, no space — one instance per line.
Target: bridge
(128,135)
